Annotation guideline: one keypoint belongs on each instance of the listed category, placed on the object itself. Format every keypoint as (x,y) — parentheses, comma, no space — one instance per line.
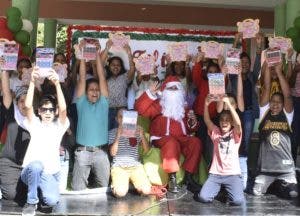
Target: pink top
(296,89)
(226,153)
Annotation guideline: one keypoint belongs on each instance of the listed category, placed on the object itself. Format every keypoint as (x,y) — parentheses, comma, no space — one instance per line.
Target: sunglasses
(44,110)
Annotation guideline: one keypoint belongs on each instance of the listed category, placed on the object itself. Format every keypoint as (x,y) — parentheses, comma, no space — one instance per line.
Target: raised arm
(197,69)
(235,116)
(264,98)
(289,55)
(7,96)
(81,82)
(115,145)
(288,101)
(104,53)
(240,92)
(30,94)
(131,71)
(188,72)
(144,141)
(62,107)
(237,39)
(101,76)
(209,124)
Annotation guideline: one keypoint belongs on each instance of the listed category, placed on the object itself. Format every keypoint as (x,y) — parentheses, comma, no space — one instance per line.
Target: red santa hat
(171,81)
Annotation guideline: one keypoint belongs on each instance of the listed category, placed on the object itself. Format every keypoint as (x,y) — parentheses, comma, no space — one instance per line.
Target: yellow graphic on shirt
(271,125)
(275,87)
(275,138)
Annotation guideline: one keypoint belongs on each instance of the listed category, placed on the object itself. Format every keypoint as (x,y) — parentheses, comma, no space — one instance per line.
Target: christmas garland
(139,33)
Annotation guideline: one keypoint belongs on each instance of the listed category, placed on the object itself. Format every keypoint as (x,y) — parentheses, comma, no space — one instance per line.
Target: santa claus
(170,127)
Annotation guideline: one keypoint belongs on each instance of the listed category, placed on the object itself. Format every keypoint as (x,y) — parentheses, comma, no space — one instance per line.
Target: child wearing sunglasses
(41,163)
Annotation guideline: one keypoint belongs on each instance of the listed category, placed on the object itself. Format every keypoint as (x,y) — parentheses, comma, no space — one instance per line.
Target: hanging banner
(154,41)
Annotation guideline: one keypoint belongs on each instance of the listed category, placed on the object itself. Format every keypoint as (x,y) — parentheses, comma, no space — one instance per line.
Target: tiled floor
(180,204)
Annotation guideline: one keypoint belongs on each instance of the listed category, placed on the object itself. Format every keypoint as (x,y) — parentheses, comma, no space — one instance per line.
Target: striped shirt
(127,155)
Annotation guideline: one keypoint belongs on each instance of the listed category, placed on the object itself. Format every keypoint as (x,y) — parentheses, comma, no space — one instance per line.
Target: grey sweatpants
(10,182)
(86,162)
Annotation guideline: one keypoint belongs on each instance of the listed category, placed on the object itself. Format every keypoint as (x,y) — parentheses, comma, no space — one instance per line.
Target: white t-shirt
(15,83)
(264,109)
(44,143)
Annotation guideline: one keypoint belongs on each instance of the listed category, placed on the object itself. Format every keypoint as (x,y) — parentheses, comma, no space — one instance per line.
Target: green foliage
(61,38)
(292,32)
(40,35)
(296,44)
(297,22)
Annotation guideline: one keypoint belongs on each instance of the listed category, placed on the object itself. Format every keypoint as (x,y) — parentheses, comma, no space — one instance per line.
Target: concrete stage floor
(180,204)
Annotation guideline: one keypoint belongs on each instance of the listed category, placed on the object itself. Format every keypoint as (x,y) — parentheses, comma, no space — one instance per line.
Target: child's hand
(53,77)
(200,57)
(208,99)
(238,37)
(192,117)
(119,131)
(127,49)
(109,43)
(98,46)
(2,61)
(35,74)
(114,149)
(221,61)
(140,131)
(154,87)
(278,68)
(225,99)
(224,69)
(290,53)
(259,40)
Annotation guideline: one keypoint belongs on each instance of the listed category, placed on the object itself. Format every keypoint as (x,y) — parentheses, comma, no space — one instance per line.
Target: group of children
(40,133)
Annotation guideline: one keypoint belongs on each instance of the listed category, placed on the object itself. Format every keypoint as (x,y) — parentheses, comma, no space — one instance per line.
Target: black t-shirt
(247,92)
(17,139)
(275,144)
(2,116)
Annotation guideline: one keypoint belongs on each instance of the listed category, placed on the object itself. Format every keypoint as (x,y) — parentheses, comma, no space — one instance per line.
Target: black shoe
(172,185)
(191,184)
(196,197)
(29,209)
(44,208)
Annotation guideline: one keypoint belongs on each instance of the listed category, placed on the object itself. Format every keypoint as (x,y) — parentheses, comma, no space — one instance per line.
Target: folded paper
(212,49)
(249,27)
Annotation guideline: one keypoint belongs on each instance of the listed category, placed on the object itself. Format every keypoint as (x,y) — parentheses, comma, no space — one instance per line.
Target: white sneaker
(29,209)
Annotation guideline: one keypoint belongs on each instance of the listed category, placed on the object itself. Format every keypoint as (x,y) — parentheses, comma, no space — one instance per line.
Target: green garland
(161,37)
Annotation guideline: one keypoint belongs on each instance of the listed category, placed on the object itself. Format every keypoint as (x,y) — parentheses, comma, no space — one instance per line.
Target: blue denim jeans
(248,124)
(232,184)
(112,114)
(35,178)
(244,170)
(64,173)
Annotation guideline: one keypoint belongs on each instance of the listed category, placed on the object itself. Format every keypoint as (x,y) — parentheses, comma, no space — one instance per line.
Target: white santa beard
(172,103)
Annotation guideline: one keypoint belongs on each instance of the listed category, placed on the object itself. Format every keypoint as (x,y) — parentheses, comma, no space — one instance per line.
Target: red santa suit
(170,135)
